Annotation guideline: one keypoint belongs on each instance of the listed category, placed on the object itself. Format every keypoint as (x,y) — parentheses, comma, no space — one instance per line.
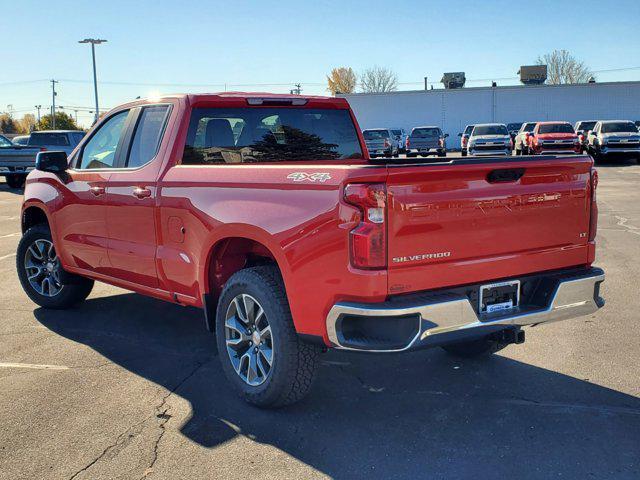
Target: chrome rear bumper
(440,316)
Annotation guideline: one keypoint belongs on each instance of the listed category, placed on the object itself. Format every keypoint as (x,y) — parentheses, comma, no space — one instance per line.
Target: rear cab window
(375,134)
(42,139)
(269,134)
(426,132)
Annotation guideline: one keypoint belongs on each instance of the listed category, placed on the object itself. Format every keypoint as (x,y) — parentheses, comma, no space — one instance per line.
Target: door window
(100,150)
(148,135)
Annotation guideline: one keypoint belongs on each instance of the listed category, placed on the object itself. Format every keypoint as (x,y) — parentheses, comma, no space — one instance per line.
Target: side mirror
(446,135)
(579,132)
(53,162)
(459,134)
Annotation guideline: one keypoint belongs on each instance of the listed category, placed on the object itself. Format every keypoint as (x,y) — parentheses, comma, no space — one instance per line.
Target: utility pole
(53,105)
(94,42)
(38,107)
(426,84)
(297,90)
(76,112)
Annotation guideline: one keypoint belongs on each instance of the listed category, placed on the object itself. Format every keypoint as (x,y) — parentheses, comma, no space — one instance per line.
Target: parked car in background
(59,140)
(582,128)
(521,143)
(347,253)
(381,142)
(464,139)
(553,137)
(21,140)
(490,139)
(401,137)
(16,161)
(637,123)
(513,129)
(614,137)
(425,141)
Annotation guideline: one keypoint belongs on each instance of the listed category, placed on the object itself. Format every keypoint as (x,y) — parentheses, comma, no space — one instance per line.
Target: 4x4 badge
(312,177)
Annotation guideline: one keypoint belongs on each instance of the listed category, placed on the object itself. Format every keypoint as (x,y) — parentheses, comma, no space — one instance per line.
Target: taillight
(593,218)
(464,141)
(43,149)
(406,142)
(441,142)
(368,241)
(386,143)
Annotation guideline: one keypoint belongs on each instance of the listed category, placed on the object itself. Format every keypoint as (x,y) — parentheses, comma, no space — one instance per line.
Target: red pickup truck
(554,138)
(266,211)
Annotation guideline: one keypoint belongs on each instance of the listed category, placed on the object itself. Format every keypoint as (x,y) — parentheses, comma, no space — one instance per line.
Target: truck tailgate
(476,220)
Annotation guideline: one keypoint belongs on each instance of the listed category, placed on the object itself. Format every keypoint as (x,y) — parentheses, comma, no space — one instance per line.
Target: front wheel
(481,347)
(15,181)
(42,276)
(261,353)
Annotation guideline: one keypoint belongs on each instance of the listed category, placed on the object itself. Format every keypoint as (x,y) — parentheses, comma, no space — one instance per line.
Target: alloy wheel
(43,268)
(249,340)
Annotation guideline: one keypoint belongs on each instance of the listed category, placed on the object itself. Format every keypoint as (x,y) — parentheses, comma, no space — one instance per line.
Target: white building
(452,110)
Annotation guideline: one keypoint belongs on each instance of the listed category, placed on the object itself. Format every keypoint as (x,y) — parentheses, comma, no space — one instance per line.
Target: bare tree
(342,80)
(562,67)
(378,80)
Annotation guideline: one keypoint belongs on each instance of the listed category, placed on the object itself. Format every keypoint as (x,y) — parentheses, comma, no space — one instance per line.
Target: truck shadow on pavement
(416,415)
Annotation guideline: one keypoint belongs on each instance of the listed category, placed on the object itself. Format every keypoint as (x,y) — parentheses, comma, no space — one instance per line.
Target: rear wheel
(481,347)
(442,153)
(15,181)
(42,276)
(464,153)
(261,354)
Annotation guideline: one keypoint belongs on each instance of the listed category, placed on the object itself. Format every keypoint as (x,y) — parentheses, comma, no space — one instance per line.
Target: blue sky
(189,46)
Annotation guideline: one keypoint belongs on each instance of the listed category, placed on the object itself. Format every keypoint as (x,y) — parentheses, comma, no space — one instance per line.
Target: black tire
(294,362)
(412,155)
(481,347)
(75,289)
(15,181)
(442,154)
(464,153)
(518,152)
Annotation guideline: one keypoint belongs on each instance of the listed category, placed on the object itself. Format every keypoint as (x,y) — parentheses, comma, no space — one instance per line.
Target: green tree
(63,122)
(8,124)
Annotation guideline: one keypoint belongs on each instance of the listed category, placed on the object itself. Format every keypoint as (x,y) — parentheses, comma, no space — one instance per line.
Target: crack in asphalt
(161,413)
(123,438)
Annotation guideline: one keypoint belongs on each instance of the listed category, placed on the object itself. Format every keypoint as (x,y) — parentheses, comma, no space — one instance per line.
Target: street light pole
(94,42)
(53,104)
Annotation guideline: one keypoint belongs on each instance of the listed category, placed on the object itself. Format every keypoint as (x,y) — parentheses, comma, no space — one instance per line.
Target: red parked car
(553,137)
(266,211)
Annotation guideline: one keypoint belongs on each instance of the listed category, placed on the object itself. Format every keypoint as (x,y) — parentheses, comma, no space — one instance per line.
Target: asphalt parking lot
(129,387)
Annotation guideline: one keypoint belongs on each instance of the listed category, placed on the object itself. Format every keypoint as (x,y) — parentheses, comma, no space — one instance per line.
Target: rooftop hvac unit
(453,80)
(533,74)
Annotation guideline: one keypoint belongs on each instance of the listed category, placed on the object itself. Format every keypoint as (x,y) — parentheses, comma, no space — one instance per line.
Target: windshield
(397,133)
(490,130)
(619,127)
(586,126)
(555,128)
(528,127)
(375,134)
(252,135)
(468,130)
(514,126)
(425,132)
(4,142)
(41,139)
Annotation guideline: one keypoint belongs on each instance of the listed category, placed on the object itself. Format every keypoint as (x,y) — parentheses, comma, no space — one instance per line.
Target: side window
(100,150)
(147,136)
(77,138)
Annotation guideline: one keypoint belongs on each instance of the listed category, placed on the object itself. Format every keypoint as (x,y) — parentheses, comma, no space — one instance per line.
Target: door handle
(97,191)
(141,193)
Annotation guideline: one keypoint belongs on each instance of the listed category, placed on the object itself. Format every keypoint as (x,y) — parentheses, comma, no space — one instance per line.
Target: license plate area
(499,297)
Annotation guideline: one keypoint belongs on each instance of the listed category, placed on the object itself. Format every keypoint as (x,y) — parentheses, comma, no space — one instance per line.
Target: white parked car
(490,139)
(614,137)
